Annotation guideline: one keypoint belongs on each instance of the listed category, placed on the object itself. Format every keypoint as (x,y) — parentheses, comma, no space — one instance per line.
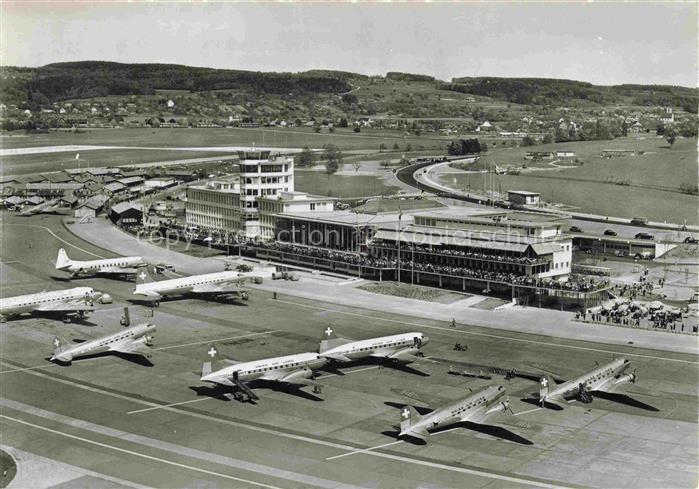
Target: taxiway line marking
(525,412)
(153,408)
(306,439)
(216,339)
(57,237)
(137,454)
(27,368)
(364,450)
(488,335)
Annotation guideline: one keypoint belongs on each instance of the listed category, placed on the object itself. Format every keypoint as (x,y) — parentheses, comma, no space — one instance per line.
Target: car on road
(691,240)
(639,221)
(609,232)
(575,229)
(644,236)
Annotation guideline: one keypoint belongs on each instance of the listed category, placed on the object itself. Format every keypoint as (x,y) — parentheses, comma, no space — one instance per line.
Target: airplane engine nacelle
(630,378)
(148,340)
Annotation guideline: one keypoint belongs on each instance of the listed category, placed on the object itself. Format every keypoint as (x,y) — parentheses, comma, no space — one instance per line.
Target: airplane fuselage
(177,286)
(11,306)
(394,343)
(101,345)
(257,369)
(111,265)
(475,404)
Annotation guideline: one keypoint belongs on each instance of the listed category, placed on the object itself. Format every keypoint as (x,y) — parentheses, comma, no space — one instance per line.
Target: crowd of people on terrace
(577,284)
(524,260)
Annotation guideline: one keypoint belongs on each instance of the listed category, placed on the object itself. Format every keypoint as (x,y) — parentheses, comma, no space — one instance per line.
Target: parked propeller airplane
(607,378)
(291,369)
(475,408)
(78,299)
(401,348)
(219,283)
(49,206)
(127,265)
(132,340)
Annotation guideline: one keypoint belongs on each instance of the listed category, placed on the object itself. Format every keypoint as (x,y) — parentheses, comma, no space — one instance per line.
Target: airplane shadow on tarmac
(626,400)
(490,430)
(220,392)
(129,357)
(616,398)
(334,368)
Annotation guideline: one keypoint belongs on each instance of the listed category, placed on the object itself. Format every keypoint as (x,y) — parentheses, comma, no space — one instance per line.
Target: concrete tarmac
(158,426)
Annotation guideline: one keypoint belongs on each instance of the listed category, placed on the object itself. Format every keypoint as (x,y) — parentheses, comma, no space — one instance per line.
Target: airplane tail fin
(60,345)
(143,276)
(213,356)
(330,340)
(545,385)
(408,417)
(62,260)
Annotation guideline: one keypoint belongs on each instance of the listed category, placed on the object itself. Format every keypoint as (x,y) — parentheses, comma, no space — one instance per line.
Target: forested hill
(62,81)
(542,91)
(40,87)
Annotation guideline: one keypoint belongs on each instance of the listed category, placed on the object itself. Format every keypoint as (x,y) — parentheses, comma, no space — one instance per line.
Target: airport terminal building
(246,204)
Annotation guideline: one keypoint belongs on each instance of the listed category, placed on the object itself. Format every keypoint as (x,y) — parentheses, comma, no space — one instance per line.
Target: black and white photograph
(350,244)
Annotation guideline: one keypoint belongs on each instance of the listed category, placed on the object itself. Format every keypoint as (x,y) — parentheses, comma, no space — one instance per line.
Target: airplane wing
(405,355)
(612,386)
(227,288)
(300,376)
(479,417)
(131,346)
(129,270)
(68,306)
(337,356)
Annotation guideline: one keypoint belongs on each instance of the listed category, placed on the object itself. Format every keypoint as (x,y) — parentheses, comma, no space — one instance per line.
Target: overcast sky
(600,43)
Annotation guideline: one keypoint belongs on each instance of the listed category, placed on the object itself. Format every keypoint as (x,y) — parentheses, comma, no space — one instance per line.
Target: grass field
(38,163)
(297,137)
(654,178)
(412,292)
(320,183)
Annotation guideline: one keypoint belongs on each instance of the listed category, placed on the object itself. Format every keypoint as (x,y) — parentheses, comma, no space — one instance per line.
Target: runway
(166,429)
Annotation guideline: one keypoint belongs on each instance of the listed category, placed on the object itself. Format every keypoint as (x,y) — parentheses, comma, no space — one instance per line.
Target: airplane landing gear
(317,389)
(3,319)
(156,303)
(245,296)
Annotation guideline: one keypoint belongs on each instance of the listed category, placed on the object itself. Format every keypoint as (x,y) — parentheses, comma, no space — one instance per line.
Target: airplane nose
(425,340)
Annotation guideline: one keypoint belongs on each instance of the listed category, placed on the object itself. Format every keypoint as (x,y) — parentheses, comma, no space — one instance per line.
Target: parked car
(575,229)
(639,221)
(609,232)
(691,240)
(644,236)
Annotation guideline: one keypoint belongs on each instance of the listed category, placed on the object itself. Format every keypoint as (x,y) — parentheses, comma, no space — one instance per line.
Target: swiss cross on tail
(212,352)
(405,414)
(544,382)
(56,342)
(329,332)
